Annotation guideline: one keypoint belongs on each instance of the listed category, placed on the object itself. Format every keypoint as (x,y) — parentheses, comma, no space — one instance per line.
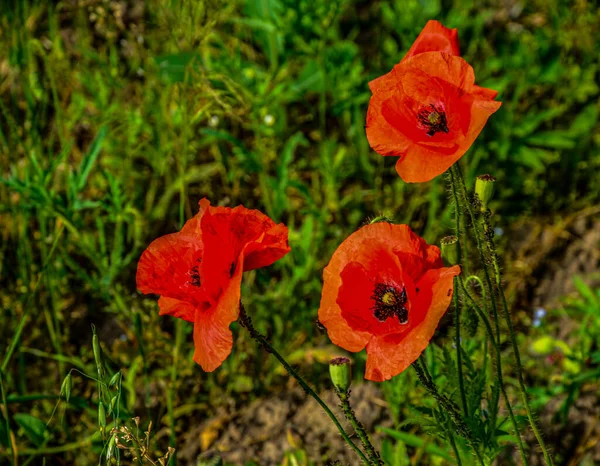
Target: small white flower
(213,121)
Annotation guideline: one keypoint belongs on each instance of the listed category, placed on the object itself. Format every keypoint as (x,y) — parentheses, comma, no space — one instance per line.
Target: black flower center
(433,119)
(195,276)
(390,302)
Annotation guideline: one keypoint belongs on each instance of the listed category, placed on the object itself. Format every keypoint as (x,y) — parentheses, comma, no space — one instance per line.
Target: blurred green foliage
(116,117)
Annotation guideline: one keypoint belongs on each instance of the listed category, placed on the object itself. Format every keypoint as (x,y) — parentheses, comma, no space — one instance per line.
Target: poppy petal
(167,267)
(418,71)
(228,233)
(213,339)
(389,355)
(484,93)
(435,38)
(176,308)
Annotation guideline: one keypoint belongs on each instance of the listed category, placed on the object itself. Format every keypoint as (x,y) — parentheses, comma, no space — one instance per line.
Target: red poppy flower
(428,110)
(198,271)
(387,289)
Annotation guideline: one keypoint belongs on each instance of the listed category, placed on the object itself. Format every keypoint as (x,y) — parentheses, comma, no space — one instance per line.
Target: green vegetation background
(116,117)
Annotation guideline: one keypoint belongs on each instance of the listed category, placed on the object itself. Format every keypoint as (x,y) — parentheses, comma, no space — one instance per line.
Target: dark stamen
(232,270)
(389,302)
(195,275)
(433,120)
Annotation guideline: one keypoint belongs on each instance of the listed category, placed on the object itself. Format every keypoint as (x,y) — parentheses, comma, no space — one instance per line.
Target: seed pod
(101,416)
(97,353)
(450,249)
(339,370)
(65,389)
(484,190)
(113,403)
(114,379)
(111,447)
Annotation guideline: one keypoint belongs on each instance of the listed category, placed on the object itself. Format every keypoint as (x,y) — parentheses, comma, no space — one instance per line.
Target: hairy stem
(462,243)
(373,455)
(447,405)
(489,238)
(499,376)
(246,322)
(457,178)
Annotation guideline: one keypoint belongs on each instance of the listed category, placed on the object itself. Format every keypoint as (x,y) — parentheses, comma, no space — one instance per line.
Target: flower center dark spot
(195,276)
(389,302)
(433,119)
(232,270)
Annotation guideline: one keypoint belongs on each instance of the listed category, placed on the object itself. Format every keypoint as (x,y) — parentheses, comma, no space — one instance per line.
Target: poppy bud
(339,370)
(450,249)
(484,189)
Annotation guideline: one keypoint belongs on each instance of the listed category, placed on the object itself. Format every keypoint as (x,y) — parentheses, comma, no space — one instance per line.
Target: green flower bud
(484,189)
(341,376)
(451,249)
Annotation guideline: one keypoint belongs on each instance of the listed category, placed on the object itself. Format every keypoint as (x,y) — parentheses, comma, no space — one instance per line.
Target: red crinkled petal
(435,37)
(167,267)
(213,339)
(228,232)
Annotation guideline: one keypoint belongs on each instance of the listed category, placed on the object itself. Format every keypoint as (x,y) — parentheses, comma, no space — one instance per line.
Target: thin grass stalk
(17,335)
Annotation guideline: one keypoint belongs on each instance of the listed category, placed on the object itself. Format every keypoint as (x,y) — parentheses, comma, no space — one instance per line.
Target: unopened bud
(484,189)
(451,249)
(341,376)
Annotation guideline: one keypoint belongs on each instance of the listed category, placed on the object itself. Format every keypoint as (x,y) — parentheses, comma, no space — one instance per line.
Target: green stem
(499,377)
(461,242)
(458,186)
(461,383)
(246,322)
(488,234)
(448,405)
(453,443)
(373,455)
(456,178)
(12,452)
(17,335)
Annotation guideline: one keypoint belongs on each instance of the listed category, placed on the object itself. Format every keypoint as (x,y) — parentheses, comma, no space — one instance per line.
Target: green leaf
(418,442)
(35,429)
(89,159)
(3,432)
(174,67)
(552,139)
